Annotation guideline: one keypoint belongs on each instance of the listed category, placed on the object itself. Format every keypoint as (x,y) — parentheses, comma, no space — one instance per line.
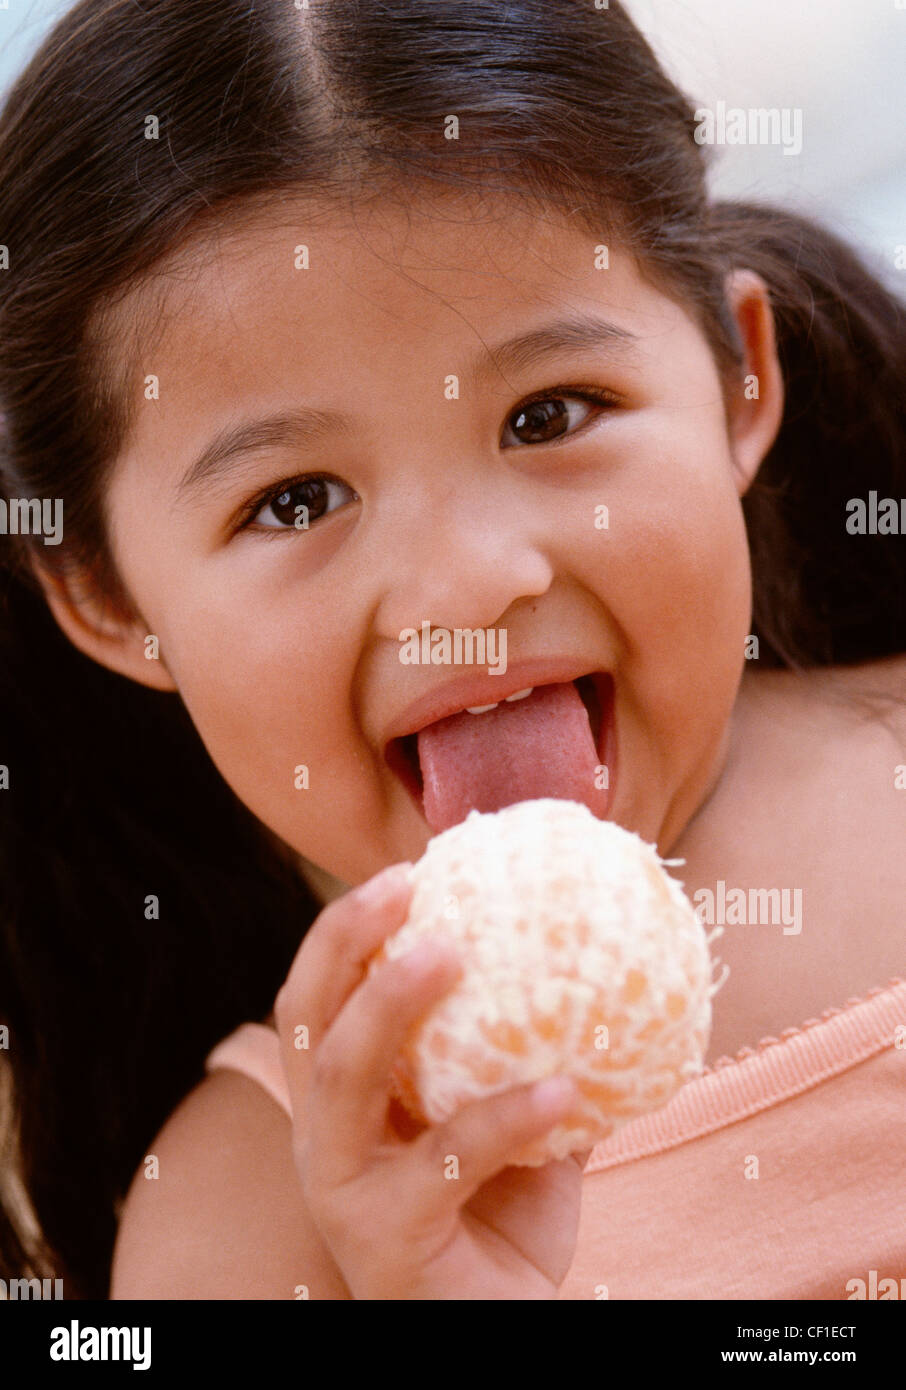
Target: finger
(331,962)
(350,1081)
(483,1138)
(337,947)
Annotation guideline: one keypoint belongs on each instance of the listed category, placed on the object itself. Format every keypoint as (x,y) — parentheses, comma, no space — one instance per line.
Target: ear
(755,407)
(91,625)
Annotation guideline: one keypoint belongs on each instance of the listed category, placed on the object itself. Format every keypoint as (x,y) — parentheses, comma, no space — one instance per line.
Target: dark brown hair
(112,796)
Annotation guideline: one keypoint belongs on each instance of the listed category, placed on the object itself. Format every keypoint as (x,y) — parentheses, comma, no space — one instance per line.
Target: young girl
(322,322)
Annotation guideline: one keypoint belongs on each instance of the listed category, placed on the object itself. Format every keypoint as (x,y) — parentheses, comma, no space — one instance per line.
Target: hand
(374,1181)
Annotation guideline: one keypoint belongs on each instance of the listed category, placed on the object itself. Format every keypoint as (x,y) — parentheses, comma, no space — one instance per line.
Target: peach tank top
(777,1174)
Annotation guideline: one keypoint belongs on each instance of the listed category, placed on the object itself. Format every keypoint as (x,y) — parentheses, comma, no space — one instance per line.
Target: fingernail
(430,954)
(551,1094)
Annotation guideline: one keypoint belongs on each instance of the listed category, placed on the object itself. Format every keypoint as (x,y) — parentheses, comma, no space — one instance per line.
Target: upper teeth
(483,709)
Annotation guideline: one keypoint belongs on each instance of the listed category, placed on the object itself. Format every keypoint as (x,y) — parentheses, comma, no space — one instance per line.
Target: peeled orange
(581,956)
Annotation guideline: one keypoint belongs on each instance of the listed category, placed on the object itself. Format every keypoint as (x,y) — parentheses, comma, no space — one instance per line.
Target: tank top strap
(254,1050)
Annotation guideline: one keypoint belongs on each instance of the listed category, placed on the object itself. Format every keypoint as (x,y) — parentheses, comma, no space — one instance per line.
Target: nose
(458,565)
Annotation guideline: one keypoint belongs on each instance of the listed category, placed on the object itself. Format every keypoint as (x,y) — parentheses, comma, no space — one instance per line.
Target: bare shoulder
(868,699)
(813,801)
(876,689)
(831,740)
(224,1218)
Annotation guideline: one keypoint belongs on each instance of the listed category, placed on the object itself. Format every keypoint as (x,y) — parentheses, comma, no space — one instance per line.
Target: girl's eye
(296,504)
(544,419)
(299,503)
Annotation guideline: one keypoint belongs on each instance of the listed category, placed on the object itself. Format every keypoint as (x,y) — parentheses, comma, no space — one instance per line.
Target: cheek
(687,577)
(674,554)
(673,570)
(262,695)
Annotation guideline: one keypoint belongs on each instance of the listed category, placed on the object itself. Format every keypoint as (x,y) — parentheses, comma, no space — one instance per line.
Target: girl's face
(463,510)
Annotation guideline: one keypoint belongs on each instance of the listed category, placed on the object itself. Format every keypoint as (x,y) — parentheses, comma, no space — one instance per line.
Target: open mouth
(596,691)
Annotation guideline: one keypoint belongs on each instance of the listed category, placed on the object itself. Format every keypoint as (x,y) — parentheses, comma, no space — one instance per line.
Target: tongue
(539,746)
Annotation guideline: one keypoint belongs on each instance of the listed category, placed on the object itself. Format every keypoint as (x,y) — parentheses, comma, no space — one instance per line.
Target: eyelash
(595,395)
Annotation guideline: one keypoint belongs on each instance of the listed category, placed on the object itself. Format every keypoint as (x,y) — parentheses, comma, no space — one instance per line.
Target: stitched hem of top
(730,1090)
(757,1078)
(770,1041)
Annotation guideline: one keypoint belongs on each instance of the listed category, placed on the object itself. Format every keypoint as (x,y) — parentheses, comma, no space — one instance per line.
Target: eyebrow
(575,332)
